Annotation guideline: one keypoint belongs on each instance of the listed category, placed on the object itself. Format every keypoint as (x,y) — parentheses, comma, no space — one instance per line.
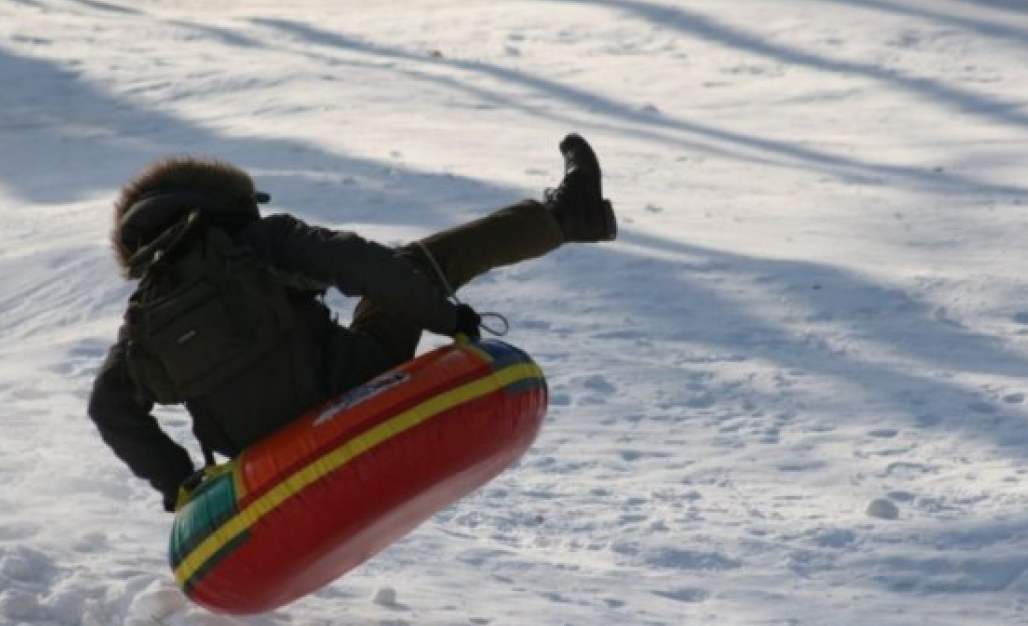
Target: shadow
(345,44)
(1013,6)
(1011,34)
(646,125)
(76,140)
(107,7)
(64,139)
(828,322)
(701,26)
(226,36)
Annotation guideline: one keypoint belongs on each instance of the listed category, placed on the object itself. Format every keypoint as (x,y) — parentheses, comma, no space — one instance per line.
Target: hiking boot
(578,202)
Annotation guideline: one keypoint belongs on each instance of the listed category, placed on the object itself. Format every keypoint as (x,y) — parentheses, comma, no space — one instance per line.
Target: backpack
(206,308)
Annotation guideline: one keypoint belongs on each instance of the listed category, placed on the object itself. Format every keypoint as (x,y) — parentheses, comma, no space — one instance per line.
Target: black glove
(169,488)
(468,323)
(170,499)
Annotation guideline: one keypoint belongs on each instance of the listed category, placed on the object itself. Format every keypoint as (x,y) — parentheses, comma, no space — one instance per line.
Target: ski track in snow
(793,392)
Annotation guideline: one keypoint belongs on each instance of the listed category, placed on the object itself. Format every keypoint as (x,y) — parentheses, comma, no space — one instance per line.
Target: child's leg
(508,236)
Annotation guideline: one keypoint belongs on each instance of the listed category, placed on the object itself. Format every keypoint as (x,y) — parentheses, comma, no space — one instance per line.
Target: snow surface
(793,392)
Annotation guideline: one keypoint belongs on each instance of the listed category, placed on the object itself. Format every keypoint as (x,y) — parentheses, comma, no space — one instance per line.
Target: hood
(174,187)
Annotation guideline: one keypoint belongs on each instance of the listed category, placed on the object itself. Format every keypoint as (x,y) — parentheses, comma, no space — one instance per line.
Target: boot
(578,202)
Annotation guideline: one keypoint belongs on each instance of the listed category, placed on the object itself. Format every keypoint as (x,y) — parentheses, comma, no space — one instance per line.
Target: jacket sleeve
(355,266)
(126,425)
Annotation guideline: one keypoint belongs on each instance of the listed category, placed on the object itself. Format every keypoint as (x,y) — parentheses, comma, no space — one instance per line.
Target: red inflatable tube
(342,482)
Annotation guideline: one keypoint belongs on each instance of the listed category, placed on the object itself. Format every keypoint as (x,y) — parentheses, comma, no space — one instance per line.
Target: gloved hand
(170,498)
(468,322)
(169,488)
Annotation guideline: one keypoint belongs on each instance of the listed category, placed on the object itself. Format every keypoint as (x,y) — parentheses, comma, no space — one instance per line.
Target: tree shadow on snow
(636,121)
(107,7)
(701,26)
(833,316)
(1009,33)
(1013,6)
(63,139)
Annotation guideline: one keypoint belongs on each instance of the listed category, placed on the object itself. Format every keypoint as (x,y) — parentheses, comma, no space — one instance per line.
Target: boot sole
(610,221)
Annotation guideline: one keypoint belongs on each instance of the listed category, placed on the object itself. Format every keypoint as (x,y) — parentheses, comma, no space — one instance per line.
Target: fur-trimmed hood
(171,188)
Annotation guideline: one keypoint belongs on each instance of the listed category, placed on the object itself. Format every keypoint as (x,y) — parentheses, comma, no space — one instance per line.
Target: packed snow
(793,392)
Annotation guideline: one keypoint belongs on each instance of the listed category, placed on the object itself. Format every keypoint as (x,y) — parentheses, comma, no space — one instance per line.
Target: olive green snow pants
(508,236)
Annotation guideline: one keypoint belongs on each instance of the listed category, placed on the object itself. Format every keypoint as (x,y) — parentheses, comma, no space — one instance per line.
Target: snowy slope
(793,392)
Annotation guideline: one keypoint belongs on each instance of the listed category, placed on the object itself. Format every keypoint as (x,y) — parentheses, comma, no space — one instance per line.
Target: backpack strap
(156,211)
(161,209)
(163,247)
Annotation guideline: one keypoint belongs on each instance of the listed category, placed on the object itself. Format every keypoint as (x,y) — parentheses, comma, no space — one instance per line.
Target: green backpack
(206,308)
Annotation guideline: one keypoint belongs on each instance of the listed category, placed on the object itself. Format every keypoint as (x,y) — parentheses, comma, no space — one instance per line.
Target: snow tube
(330,490)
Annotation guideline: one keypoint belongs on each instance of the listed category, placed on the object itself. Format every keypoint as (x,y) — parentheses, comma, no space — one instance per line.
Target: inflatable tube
(296,511)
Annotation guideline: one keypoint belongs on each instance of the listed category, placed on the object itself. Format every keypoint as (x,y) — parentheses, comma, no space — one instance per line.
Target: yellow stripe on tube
(338,457)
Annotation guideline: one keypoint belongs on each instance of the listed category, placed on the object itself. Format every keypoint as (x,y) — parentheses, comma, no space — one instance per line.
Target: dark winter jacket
(319,362)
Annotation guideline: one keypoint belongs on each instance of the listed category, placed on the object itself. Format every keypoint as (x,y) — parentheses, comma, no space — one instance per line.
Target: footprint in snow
(883,509)
(704,400)
(26,565)
(594,389)
(598,382)
(18,605)
(386,597)
(907,469)
(678,559)
(560,399)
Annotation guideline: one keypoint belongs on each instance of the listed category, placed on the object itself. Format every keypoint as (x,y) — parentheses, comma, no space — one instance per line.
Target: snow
(793,392)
